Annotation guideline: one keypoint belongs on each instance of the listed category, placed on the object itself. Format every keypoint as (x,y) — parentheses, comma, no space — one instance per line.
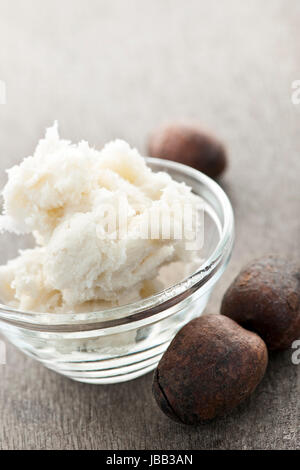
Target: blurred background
(115,68)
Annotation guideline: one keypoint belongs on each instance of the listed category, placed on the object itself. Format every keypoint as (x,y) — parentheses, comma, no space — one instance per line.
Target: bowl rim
(154,305)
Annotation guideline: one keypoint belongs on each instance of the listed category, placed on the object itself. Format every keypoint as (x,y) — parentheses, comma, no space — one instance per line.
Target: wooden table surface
(110,68)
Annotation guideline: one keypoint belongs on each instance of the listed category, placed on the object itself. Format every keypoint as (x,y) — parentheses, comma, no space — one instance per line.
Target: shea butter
(89,214)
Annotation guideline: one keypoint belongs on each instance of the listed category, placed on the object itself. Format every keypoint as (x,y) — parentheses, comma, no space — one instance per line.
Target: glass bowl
(126,342)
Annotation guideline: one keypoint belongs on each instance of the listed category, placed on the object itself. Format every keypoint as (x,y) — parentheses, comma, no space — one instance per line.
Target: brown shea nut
(265,298)
(211,366)
(189,144)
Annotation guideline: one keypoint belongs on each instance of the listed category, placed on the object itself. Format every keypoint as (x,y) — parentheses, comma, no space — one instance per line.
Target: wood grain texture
(109,69)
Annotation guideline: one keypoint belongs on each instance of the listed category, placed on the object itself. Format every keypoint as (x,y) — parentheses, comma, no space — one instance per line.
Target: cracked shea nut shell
(188,144)
(265,298)
(211,366)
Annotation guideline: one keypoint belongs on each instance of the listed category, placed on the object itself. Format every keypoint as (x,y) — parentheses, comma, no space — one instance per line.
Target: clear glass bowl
(126,342)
